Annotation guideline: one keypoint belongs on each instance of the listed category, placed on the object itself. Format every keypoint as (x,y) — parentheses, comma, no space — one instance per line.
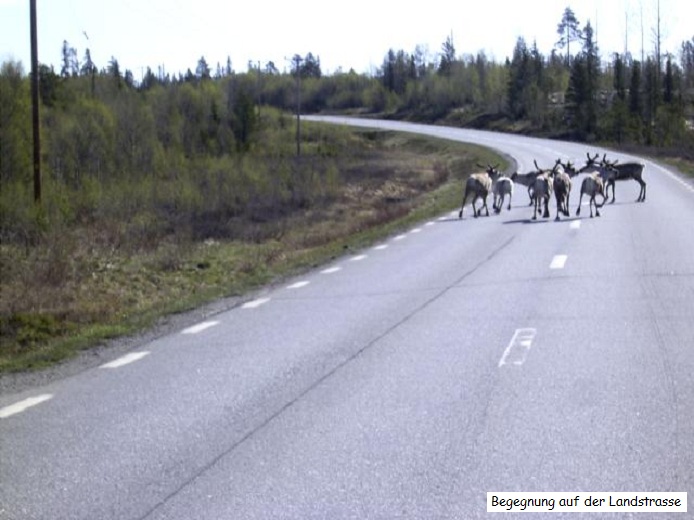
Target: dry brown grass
(105,277)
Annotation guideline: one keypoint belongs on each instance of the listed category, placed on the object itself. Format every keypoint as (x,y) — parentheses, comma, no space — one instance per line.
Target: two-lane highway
(404,381)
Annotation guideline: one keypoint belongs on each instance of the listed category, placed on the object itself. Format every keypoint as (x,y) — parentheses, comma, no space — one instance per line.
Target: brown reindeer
(625,171)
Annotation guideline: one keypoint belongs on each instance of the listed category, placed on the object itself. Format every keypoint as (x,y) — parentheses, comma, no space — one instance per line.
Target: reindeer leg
(460,214)
(559,208)
(578,209)
(485,206)
(510,197)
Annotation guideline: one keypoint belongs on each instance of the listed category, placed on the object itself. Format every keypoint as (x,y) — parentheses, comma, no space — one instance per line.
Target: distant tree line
(103,122)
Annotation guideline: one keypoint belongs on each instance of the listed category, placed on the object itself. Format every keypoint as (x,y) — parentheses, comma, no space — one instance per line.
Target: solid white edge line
(19,407)
(125,360)
(199,327)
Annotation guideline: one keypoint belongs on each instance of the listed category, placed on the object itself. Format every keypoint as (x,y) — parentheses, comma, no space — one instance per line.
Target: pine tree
(583,88)
(519,73)
(447,57)
(568,31)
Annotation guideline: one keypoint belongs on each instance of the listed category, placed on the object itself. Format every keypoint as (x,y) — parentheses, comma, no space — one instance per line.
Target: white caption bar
(583,502)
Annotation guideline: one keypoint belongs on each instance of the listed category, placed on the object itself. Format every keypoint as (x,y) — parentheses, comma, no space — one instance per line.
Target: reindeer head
(570,168)
(592,164)
(492,171)
(607,163)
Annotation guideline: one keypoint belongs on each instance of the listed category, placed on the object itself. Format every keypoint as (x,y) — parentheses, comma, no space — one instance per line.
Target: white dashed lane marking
(254,304)
(19,407)
(399,237)
(298,285)
(416,230)
(199,327)
(331,270)
(558,262)
(381,247)
(518,348)
(358,258)
(125,360)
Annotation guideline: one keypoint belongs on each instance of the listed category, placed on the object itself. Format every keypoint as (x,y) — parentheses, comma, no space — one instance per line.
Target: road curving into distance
(405,381)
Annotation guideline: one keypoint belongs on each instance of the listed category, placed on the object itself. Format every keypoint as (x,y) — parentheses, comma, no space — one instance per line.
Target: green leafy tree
(310,67)
(15,128)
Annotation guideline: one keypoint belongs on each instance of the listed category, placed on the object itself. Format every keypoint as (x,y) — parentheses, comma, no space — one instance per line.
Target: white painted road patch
(518,348)
(576,224)
(254,304)
(125,360)
(558,262)
(199,327)
(19,407)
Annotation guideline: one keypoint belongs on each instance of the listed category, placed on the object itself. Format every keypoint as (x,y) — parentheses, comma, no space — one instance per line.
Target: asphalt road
(405,381)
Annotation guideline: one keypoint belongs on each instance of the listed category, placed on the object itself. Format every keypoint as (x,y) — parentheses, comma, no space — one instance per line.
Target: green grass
(683,165)
(75,290)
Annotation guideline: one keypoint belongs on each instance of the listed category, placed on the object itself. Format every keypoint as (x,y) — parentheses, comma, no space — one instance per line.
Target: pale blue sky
(355,34)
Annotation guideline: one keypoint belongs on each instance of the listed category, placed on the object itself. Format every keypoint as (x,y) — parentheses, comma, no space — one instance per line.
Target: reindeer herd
(543,183)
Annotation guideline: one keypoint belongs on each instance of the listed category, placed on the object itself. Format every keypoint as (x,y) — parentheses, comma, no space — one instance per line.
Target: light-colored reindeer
(479,185)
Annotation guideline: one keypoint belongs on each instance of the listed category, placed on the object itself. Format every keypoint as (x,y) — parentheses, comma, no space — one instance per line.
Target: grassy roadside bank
(75,289)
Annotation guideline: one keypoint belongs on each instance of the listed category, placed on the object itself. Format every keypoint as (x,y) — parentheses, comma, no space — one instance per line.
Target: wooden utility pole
(35,103)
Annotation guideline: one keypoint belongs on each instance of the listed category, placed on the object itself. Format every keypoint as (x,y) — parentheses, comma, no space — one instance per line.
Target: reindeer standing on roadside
(610,172)
(625,171)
